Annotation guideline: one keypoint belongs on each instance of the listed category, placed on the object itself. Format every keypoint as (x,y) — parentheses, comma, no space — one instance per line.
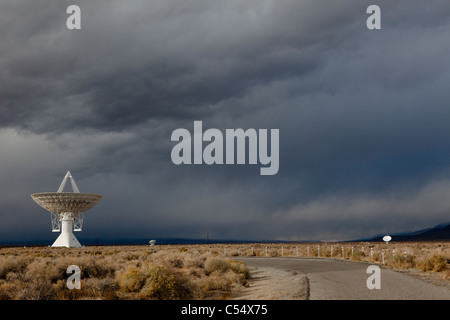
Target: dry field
(119,272)
(183,271)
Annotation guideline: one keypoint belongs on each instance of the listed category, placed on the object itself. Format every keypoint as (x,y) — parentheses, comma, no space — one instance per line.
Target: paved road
(333,279)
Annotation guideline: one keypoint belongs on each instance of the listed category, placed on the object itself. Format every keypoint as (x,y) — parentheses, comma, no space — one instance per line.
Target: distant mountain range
(137,241)
(174,241)
(441,232)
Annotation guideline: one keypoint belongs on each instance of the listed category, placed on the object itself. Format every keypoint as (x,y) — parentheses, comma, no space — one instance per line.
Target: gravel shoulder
(268,283)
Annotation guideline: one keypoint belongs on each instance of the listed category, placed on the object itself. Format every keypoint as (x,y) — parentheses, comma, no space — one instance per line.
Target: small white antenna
(387,239)
(152,242)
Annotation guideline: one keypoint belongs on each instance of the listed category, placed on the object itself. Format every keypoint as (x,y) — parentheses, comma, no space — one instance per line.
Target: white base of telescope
(67,238)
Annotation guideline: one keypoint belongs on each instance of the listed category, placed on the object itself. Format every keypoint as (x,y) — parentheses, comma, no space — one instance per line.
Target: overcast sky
(363,116)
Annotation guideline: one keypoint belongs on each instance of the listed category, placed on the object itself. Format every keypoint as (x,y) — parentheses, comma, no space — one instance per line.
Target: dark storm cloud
(362,114)
(126,66)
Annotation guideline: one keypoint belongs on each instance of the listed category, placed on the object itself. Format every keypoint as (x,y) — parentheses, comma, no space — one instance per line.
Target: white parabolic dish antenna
(66,210)
(387,239)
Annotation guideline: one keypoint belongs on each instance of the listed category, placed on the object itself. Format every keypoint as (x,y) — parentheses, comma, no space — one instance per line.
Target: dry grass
(119,272)
(183,272)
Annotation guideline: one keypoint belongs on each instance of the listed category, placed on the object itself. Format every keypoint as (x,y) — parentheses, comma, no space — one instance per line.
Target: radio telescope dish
(67,210)
(152,242)
(387,239)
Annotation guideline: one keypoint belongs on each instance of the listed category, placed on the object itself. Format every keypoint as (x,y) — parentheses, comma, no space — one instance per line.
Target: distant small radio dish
(387,239)
(152,242)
